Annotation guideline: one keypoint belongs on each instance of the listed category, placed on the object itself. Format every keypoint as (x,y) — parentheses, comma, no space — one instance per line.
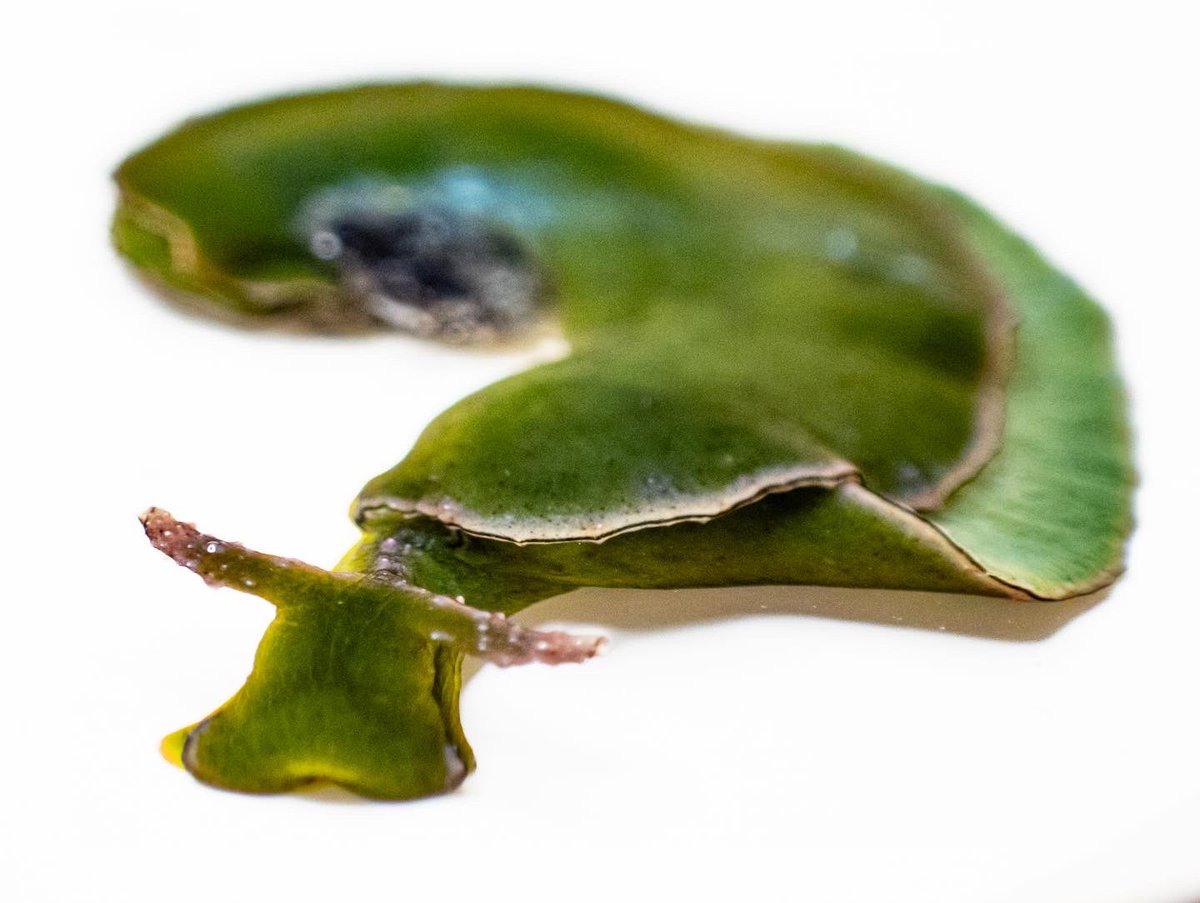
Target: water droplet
(213,547)
(325,245)
(841,244)
(910,269)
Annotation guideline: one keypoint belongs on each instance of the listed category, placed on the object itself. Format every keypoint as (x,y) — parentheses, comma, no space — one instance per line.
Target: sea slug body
(788,364)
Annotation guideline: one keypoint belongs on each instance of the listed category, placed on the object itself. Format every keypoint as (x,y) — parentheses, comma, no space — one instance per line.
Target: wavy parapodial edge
(190,273)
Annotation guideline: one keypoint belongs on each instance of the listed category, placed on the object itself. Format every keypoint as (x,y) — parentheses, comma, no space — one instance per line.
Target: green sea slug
(789,364)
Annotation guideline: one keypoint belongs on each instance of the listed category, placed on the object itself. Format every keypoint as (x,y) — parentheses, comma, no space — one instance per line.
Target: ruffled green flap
(743,318)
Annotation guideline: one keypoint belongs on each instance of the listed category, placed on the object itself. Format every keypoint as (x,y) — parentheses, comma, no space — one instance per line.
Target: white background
(796,752)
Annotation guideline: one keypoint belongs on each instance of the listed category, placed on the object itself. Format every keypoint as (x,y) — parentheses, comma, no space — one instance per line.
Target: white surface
(780,755)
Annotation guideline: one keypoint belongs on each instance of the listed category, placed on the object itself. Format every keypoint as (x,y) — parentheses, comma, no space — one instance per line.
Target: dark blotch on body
(434,272)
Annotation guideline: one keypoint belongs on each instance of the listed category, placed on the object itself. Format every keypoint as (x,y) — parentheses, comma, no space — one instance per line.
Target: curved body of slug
(788,364)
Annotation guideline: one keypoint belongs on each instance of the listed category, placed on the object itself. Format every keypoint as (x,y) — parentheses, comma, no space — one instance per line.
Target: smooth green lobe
(784,319)
(1050,513)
